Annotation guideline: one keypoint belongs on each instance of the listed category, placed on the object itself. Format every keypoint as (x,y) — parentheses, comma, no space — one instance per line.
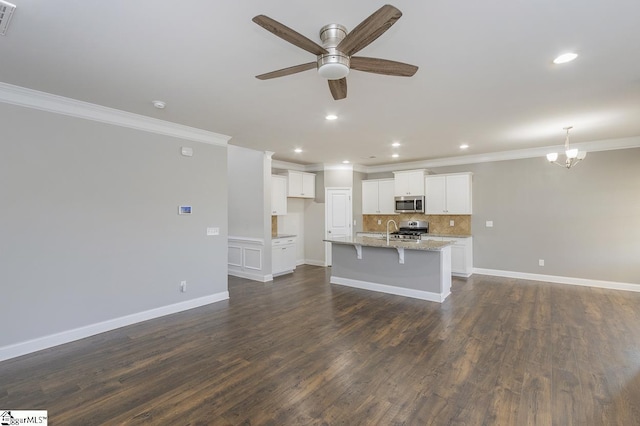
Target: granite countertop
(446,235)
(424,236)
(382,242)
(274,237)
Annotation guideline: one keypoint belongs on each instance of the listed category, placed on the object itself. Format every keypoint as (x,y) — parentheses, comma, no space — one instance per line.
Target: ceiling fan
(334,57)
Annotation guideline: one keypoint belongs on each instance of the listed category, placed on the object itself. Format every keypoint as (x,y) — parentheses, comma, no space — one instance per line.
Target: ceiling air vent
(6,12)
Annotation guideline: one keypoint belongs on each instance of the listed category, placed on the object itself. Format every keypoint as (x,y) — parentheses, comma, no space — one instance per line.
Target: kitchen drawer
(282,241)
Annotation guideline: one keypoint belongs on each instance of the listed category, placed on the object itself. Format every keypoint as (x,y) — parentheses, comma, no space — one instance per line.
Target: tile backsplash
(438,224)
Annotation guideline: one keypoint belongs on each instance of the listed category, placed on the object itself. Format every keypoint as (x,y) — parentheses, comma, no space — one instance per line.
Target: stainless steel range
(410,230)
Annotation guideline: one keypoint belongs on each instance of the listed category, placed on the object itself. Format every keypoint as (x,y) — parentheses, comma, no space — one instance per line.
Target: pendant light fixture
(573,155)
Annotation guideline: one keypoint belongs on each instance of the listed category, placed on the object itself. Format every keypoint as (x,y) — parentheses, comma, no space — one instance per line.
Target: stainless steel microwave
(409,204)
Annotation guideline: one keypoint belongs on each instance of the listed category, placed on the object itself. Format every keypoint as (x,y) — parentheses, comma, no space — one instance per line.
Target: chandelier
(573,155)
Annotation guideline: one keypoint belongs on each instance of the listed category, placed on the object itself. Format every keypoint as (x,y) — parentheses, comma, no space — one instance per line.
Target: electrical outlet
(183,286)
(540,262)
(379,222)
(452,223)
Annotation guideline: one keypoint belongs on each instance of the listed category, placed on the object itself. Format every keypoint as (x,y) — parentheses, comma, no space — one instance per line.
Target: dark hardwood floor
(300,351)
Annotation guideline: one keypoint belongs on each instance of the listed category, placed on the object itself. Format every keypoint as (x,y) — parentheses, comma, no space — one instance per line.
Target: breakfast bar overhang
(419,269)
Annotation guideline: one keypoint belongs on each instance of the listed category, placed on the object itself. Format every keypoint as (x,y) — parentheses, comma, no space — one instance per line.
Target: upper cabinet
(448,194)
(301,184)
(409,182)
(377,196)
(278,195)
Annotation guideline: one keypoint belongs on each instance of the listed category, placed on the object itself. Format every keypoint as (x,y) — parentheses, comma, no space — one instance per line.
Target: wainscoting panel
(246,259)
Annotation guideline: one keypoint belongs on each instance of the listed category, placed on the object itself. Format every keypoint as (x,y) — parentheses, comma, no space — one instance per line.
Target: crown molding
(360,168)
(338,166)
(602,145)
(595,146)
(285,165)
(314,167)
(28,98)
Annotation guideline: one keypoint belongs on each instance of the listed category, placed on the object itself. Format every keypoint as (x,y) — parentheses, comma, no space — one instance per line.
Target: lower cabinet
(283,255)
(461,255)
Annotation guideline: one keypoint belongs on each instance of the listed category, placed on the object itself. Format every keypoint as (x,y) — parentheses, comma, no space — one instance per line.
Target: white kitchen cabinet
(409,182)
(301,184)
(278,195)
(377,196)
(448,194)
(461,254)
(283,255)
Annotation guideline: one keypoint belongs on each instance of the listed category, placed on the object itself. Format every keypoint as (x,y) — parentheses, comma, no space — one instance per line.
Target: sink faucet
(394,224)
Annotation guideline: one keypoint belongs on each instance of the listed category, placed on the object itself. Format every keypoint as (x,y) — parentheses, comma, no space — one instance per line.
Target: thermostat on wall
(184,210)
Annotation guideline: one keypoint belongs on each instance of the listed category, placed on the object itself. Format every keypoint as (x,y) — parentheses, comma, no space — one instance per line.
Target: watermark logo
(23,417)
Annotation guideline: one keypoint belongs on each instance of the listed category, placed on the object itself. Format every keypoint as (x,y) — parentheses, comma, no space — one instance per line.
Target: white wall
(89,227)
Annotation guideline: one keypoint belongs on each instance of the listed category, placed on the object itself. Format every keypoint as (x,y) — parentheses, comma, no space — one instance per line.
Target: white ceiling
(485,78)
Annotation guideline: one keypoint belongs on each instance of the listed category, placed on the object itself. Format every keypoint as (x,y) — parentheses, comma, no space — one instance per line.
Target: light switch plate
(489,224)
(213,231)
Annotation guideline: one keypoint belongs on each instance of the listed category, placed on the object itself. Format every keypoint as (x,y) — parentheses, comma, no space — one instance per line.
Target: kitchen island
(419,269)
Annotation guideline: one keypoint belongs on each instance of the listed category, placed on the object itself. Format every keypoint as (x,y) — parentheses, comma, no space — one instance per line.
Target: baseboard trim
(612,285)
(458,274)
(382,288)
(248,275)
(23,348)
(314,262)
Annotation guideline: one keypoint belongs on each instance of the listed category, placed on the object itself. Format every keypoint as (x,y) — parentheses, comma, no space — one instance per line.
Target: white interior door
(338,216)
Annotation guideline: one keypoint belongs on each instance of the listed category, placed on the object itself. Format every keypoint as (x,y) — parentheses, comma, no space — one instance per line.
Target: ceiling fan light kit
(334,59)
(335,64)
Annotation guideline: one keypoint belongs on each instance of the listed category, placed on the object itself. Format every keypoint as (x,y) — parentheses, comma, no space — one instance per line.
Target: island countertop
(424,236)
(426,245)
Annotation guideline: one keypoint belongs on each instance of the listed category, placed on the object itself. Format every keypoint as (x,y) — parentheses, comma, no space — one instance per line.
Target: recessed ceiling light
(159,104)
(464,146)
(345,162)
(395,144)
(565,57)
(298,150)
(396,155)
(331,117)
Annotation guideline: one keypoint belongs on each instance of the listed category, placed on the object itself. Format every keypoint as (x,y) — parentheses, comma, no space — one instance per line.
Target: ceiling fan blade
(369,29)
(288,71)
(338,88)
(382,66)
(289,35)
